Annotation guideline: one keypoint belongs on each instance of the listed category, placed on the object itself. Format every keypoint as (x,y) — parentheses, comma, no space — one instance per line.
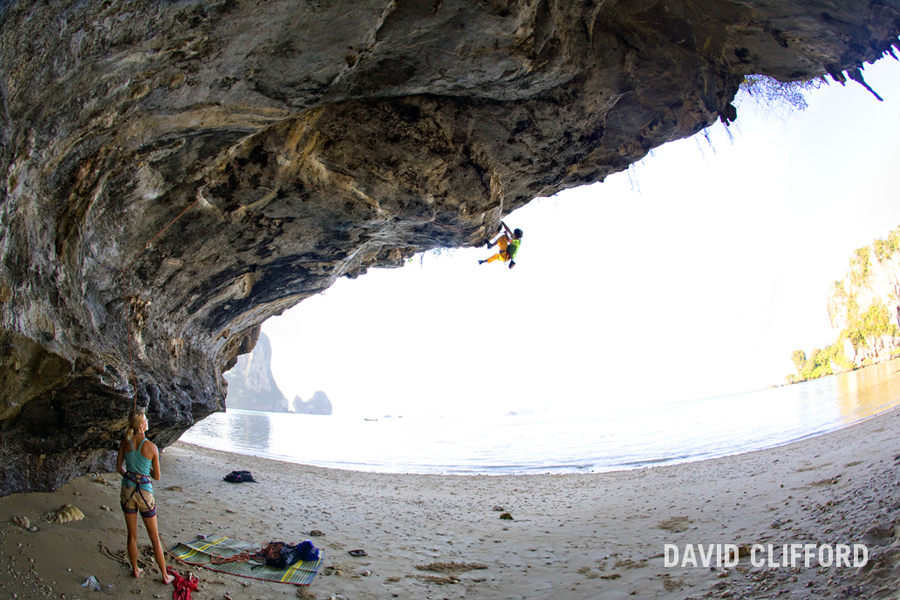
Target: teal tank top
(135,462)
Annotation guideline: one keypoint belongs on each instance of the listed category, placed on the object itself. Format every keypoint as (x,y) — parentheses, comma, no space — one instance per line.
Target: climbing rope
(239,557)
(123,271)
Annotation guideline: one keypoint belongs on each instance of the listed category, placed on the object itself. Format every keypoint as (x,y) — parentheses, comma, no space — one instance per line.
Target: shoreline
(585,535)
(673,440)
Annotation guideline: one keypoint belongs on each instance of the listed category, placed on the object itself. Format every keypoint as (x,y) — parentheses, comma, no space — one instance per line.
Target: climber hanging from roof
(509,244)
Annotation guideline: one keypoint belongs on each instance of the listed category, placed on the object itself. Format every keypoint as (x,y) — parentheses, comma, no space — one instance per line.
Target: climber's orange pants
(502,242)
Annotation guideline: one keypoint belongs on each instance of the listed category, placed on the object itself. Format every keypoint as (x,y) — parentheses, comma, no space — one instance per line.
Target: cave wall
(174,173)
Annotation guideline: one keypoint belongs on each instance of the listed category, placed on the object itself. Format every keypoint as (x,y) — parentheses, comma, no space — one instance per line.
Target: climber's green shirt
(512,248)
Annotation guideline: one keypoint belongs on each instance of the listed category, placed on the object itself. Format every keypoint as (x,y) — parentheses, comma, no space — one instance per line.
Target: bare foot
(167,579)
(137,573)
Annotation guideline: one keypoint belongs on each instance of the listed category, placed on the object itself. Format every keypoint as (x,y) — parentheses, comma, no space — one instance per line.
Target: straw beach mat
(214,552)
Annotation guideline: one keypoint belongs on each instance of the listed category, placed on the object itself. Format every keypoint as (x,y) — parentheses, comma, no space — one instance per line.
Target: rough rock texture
(176,172)
(251,384)
(319,404)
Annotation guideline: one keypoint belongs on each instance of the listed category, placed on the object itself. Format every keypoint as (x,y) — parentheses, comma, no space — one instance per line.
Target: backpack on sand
(239,477)
(280,555)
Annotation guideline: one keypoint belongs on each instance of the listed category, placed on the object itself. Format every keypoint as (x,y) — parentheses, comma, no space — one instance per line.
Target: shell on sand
(66,513)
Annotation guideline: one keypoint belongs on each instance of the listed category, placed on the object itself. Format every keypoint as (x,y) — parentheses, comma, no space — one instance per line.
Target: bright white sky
(697,274)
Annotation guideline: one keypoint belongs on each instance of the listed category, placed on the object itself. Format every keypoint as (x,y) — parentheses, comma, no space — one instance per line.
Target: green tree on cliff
(885,248)
(819,364)
(860,329)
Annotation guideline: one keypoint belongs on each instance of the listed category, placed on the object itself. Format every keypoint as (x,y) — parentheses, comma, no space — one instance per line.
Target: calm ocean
(622,439)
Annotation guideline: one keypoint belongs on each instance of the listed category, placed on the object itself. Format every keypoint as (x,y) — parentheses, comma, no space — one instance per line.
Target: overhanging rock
(176,172)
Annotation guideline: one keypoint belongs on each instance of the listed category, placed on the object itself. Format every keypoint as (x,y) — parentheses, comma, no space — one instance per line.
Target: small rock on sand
(22,522)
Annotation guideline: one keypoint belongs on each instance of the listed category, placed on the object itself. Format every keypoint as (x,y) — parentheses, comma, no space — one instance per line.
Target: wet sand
(596,536)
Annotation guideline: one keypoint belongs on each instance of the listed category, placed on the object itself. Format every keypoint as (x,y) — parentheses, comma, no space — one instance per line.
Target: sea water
(621,438)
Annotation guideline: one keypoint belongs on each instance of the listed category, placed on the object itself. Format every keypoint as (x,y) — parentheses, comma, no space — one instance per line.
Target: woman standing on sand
(138,461)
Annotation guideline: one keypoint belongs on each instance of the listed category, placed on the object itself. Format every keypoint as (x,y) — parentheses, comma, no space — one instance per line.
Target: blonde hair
(135,419)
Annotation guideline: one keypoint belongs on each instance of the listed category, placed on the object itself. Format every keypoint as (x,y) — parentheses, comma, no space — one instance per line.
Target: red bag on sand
(183,587)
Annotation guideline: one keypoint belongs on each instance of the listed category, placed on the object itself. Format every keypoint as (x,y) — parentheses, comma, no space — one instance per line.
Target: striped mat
(204,553)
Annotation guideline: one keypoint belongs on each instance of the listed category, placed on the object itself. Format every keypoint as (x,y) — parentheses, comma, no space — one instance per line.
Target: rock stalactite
(176,172)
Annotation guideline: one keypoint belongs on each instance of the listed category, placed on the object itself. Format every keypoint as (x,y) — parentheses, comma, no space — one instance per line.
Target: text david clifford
(791,555)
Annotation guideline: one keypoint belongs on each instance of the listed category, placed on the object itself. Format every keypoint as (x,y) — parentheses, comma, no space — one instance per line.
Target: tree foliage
(887,247)
(772,92)
(859,266)
(819,364)
(875,323)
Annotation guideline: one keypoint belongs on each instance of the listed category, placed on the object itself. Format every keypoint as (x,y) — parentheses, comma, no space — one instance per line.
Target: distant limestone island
(864,308)
(251,385)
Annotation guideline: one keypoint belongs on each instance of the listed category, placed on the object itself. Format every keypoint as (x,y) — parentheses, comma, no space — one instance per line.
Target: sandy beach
(592,536)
